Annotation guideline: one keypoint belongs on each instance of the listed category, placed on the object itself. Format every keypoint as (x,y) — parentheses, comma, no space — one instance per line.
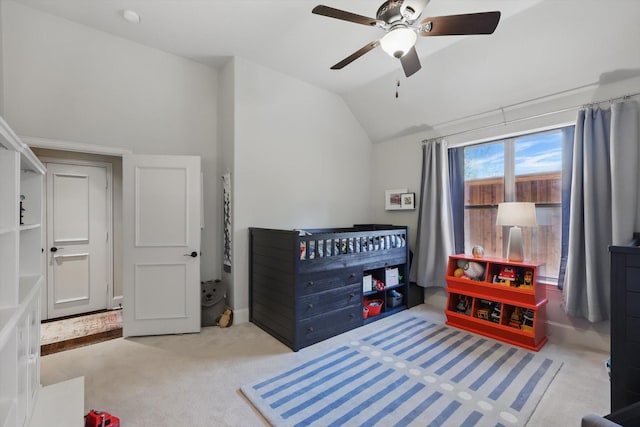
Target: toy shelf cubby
(394,294)
(497,298)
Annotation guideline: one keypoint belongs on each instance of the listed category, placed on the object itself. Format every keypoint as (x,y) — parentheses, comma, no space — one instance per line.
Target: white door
(161,233)
(77,239)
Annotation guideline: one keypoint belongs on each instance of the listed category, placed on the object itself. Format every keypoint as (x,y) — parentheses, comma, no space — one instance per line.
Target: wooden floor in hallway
(77,331)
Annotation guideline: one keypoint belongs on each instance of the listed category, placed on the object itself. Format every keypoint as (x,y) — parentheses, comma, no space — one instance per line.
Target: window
(526,168)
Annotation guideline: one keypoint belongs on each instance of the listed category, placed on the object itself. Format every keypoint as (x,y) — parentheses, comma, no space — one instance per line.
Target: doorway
(113,294)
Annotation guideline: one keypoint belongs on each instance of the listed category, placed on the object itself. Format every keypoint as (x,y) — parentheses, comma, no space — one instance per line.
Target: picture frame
(408,201)
(393,199)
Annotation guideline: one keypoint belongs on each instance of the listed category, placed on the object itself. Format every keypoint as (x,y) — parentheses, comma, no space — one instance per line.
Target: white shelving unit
(21,277)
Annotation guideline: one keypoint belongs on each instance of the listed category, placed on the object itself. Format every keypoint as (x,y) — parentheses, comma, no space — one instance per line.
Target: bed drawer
(308,284)
(327,301)
(318,328)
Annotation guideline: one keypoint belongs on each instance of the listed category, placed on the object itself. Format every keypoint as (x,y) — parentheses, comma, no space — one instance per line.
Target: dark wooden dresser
(625,324)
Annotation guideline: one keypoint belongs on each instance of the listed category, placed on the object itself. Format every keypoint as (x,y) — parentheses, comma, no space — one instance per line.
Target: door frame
(112,301)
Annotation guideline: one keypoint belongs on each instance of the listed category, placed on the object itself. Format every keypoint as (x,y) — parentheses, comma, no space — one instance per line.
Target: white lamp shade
(398,41)
(522,214)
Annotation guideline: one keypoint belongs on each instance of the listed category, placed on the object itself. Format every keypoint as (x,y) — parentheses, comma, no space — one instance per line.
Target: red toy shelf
(497,298)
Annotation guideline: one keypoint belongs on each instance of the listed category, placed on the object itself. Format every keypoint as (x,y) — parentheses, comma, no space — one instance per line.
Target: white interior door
(77,239)
(161,233)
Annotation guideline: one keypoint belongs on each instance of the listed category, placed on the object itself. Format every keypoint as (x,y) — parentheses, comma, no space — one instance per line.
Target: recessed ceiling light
(131,16)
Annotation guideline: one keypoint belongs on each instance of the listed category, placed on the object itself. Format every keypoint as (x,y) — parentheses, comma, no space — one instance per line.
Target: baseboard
(240,316)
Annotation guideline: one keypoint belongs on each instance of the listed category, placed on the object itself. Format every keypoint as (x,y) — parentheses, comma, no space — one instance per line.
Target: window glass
(526,168)
(484,174)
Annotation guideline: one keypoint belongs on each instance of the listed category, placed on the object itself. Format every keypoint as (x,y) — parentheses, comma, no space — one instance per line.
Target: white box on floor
(367,283)
(391,277)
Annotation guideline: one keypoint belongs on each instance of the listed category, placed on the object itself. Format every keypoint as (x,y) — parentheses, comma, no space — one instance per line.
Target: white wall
(301,160)
(68,82)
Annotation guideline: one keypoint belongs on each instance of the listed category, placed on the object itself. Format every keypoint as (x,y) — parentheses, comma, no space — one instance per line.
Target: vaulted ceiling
(539,48)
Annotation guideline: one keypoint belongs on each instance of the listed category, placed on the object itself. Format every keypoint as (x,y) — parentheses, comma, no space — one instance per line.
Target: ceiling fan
(399,18)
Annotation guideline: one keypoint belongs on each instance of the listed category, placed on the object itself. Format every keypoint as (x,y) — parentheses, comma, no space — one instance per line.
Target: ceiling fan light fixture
(398,41)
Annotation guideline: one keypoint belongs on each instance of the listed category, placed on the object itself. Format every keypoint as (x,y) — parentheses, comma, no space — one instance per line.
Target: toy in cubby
(527,321)
(514,277)
(469,270)
(485,309)
(507,276)
(527,281)
(464,304)
(495,312)
(515,320)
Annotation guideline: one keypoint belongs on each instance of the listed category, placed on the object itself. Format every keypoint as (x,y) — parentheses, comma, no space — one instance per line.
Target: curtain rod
(522,119)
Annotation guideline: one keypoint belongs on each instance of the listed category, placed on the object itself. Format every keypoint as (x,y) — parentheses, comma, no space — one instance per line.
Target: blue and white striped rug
(415,373)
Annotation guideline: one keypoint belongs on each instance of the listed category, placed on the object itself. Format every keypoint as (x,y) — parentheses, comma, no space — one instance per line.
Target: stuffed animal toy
(474,270)
(226,319)
(213,302)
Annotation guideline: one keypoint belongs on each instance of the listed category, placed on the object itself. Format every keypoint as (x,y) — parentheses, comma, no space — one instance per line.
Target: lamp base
(515,247)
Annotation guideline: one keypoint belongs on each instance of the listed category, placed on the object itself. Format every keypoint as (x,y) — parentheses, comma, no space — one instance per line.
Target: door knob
(192,254)
(55,249)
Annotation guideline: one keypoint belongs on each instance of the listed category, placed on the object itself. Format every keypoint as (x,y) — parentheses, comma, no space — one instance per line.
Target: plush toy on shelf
(474,270)
(469,270)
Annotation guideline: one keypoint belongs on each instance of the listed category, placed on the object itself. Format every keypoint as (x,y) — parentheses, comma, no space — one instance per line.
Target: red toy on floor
(100,419)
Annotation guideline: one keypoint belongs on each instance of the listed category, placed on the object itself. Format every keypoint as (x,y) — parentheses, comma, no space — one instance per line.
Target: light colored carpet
(194,380)
(411,373)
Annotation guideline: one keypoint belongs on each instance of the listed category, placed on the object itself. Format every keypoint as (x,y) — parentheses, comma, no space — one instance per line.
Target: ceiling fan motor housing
(390,12)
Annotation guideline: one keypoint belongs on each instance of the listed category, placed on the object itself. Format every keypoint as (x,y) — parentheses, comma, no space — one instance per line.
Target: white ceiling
(280,34)
(285,36)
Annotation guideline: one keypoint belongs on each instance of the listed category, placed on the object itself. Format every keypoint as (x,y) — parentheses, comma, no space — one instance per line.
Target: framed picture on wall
(408,200)
(393,199)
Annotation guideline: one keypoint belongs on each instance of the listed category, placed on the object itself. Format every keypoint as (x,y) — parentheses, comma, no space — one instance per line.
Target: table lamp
(516,215)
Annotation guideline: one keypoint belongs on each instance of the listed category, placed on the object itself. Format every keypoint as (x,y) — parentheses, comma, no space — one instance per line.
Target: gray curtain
(434,241)
(604,204)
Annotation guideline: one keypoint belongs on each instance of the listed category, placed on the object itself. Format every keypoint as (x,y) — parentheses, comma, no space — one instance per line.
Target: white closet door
(77,239)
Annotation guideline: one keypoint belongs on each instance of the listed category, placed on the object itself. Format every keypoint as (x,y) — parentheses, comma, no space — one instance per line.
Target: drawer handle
(310,329)
(310,282)
(351,295)
(309,306)
(352,275)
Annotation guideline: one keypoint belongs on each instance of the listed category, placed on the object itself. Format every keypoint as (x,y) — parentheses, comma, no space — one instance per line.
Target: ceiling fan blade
(349,59)
(410,62)
(345,16)
(412,9)
(460,25)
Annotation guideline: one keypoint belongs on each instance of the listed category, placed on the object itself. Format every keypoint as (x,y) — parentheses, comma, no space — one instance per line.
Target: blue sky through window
(537,153)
